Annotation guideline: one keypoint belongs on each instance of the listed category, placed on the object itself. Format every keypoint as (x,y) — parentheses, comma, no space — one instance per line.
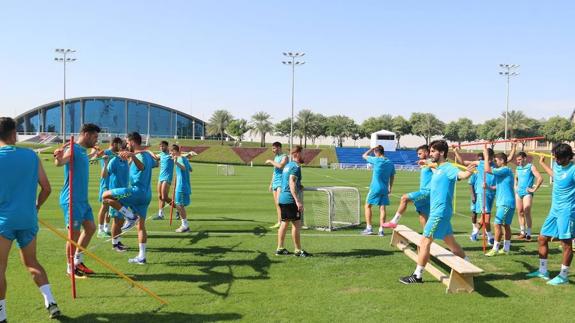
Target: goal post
(331,207)
(225,170)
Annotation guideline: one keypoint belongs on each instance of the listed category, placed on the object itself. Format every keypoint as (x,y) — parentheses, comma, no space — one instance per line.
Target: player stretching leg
(280,160)
(83,216)
(525,176)
(419,198)
(23,172)
(438,224)
(164,179)
(103,215)
(183,187)
(560,223)
(380,187)
(291,205)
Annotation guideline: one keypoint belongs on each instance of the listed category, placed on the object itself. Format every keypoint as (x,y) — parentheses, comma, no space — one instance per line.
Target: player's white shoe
(183,229)
(129,223)
(137,261)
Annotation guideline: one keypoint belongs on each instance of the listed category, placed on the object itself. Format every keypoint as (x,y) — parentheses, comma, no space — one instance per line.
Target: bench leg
(460,283)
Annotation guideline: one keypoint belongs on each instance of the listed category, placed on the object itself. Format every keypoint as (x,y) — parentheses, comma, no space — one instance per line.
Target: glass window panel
(199,129)
(159,121)
(138,117)
(20,124)
(184,127)
(73,117)
(32,122)
(52,119)
(109,114)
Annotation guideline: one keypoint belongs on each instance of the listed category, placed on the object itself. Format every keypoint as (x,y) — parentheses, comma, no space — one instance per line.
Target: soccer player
(164,178)
(103,215)
(183,187)
(280,160)
(138,196)
(291,205)
(560,223)
(419,198)
(474,226)
(19,206)
(380,187)
(438,224)
(505,201)
(525,176)
(117,172)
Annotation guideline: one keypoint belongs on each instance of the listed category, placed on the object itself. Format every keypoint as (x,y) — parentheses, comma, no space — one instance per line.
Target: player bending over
(380,187)
(279,162)
(560,223)
(526,175)
(419,198)
(23,172)
(183,187)
(103,215)
(83,216)
(438,224)
(291,205)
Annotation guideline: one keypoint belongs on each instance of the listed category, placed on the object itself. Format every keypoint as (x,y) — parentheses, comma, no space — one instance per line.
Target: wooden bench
(462,271)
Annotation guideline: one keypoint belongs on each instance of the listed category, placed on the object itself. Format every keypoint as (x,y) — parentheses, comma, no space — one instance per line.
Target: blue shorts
(165,179)
(374,198)
(134,198)
(182,199)
(22,237)
(103,188)
(275,186)
(115,214)
(561,226)
(82,212)
(522,193)
(504,215)
(421,201)
(438,226)
(488,205)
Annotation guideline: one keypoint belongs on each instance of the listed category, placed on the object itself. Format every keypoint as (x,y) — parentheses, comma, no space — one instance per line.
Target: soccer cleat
(158,217)
(281,252)
(528,238)
(53,310)
(367,232)
(558,280)
(538,274)
(381,233)
(301,253)
(101,234)
(183,229)
(502,252)
(473,236)
(390,225)
(411,279)
(78,274)
(81,267)
(137,261)
(275,226)
(491,253)
(119,247)
(128,224)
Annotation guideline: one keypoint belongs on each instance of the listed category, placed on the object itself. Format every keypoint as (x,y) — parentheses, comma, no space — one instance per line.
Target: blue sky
(363,58)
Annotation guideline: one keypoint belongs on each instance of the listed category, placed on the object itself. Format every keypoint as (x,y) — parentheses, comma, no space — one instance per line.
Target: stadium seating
(352,156)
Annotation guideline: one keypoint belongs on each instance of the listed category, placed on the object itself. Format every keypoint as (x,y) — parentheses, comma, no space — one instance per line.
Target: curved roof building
(115,115)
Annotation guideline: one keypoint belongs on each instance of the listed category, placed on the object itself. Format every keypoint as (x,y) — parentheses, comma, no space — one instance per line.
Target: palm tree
(218,123)
(516,121)
(262,125)
(304,119)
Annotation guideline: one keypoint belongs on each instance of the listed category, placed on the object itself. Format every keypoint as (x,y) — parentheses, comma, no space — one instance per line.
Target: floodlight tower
(508,72)
(293,63)
(63,58)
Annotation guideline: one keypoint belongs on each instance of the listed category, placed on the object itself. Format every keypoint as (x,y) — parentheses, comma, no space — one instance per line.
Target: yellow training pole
(103,263)
(540,154)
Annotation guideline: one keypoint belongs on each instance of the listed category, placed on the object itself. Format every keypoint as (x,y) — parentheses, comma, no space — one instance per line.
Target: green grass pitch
(225,270)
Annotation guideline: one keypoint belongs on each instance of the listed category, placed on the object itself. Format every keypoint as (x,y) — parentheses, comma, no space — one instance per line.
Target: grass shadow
(356,253)
(152,317)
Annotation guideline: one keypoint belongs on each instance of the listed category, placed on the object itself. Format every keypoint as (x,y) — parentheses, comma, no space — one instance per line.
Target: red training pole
(71,215)
(484,213)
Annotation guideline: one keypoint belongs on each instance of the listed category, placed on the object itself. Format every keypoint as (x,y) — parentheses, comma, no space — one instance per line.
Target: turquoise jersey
(291,168)
(183,184)
(142,179)
(525,178)
(504,182)
(382,171)
(18,188)
(118,173)
(563,196)
(110,154)
(425,178)
(166,167)
(277,177)
(479,180)
(81,175)
(472,180)
(441,190)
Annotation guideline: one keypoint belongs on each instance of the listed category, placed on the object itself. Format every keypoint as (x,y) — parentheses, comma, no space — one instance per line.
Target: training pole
(103,263)
(484,213)
(71,216)
(483,143)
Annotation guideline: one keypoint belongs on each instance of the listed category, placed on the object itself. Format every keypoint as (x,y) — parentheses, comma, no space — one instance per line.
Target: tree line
(310,126)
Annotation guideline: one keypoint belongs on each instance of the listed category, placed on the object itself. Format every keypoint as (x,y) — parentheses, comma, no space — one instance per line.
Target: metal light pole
(293,63)
(63,58)
(508,72)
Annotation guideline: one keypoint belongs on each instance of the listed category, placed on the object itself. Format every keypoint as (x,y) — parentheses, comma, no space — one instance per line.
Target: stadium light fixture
(64,59)
(508,72)
(293,56)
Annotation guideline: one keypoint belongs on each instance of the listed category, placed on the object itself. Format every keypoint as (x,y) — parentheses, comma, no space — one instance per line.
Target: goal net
(226,170)
(331,207)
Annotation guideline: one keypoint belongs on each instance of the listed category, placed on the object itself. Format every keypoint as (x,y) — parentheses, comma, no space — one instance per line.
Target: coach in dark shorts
(291,205)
